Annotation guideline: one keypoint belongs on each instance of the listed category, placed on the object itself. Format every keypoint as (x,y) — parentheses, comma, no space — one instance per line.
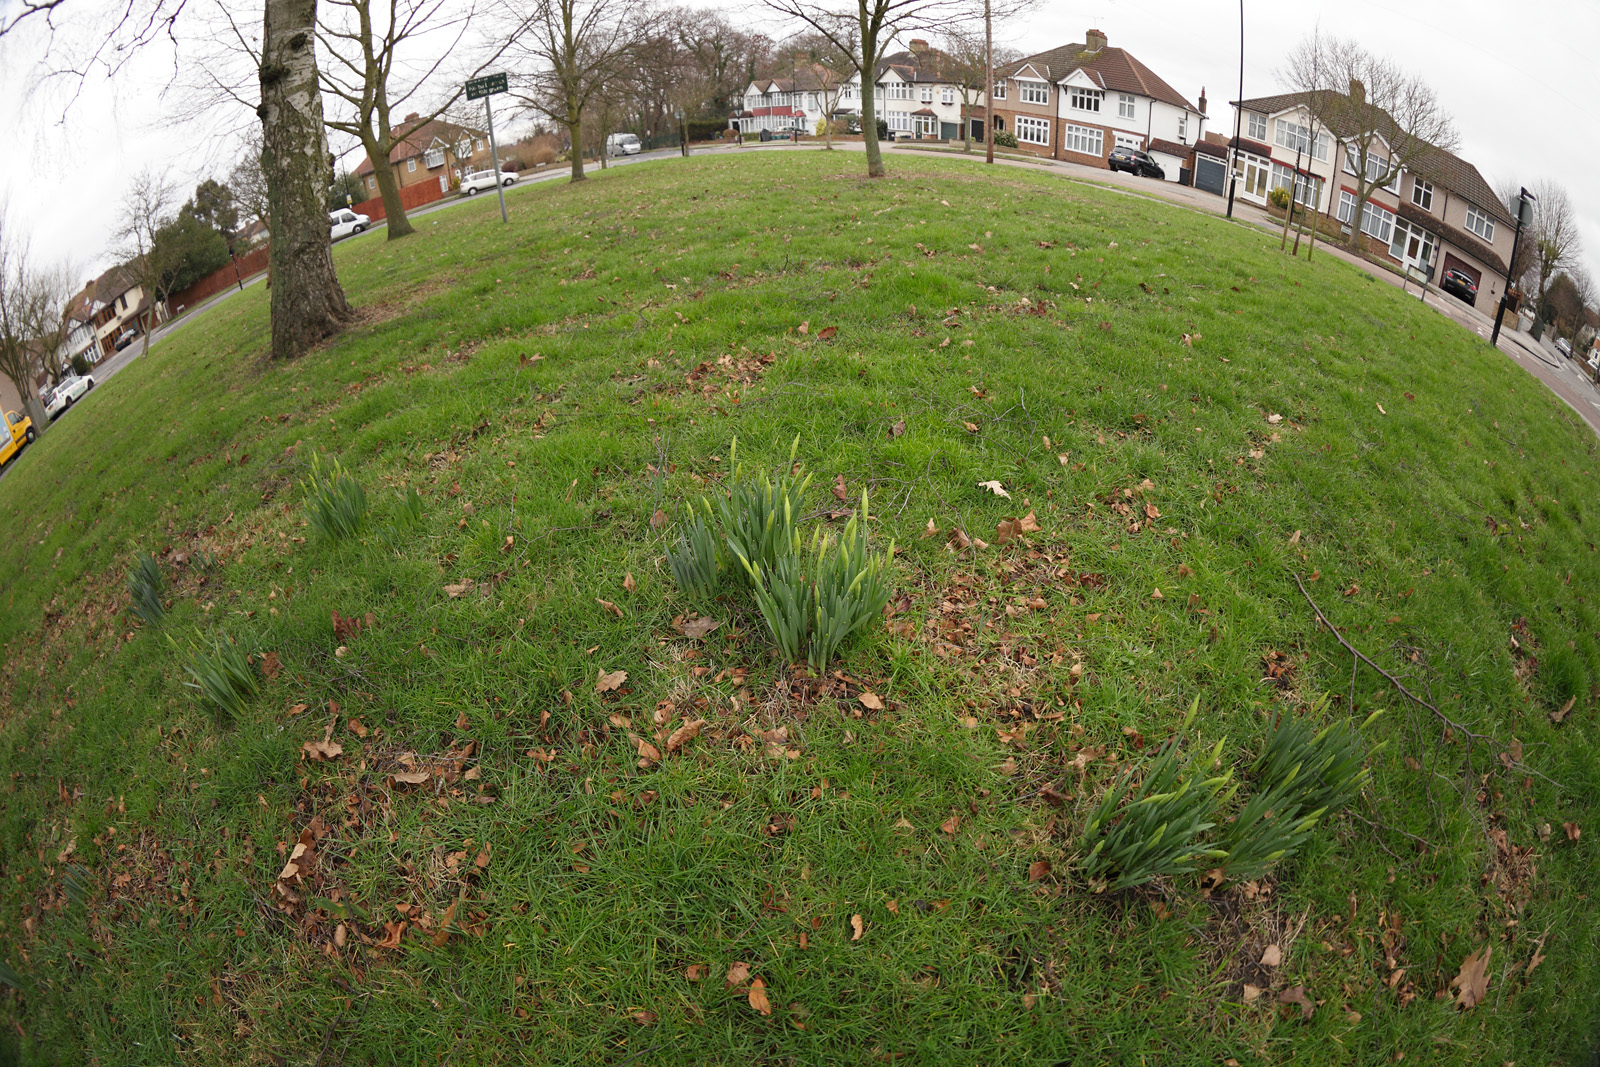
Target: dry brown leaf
(609,681)
(1557,716)
(609,606)
(455,590)
(930,529)
(1005,531)
(1572,830)
(462,722)
(758,997)
(695,972)
(951,824)
(805,327)
(1297,995)
(647,751)
(658,520)
(1156,595)
(321,750)
(995,487)
(838,488)
(357,727)
(1028,524)
(1472,983)
(738,974)
(270,665)
(1151,511)
(1038,870)
(893,906)
(1274,419)
(411,777)
(298,708)
(903,823)
(971,427)
(695,629)
(481,860)
(898,428)
(686,732)
(1294,538)
(1251,993)
(1272,956)
(642,1017)
(826,333)
(871,701)
(857,925)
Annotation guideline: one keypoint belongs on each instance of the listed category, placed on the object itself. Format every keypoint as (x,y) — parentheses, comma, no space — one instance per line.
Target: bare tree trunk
(988,83)
(389,189)
(35,410)
(575,131)
(869,116)
(307,301)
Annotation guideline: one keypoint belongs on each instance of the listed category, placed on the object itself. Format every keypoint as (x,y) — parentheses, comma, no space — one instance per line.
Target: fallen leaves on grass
(628,583)
(758,997)
(325,749)
(858,925)
(1271,956)
(658,520)
(1038,870)
(694,629)
(270,666)
(687,732)
(411,777)
(1297,995)
(826,333)
(951,824)
(695,972)
(898,428)
(609,681)
(1472,983)
(1572,830)
(838,488)
(930,529)
(738,974)
(609,606)
(871,701)
(993,485)
(1009,529)
(1558,716)
(972,427)
(456,589)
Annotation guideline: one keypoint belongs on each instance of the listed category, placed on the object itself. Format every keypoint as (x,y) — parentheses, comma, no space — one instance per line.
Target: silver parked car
(63,396)
(480,180)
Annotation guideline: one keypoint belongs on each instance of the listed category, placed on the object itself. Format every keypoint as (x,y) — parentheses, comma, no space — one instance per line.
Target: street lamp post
(683,132)
(1525,202)
(1238,117)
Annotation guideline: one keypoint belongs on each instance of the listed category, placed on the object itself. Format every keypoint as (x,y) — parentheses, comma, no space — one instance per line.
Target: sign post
(486,87)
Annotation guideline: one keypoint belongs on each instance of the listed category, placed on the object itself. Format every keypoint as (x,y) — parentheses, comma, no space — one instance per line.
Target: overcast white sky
(1514,77)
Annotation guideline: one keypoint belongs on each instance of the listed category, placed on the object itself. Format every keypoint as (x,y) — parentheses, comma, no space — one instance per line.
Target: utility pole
(1525,202)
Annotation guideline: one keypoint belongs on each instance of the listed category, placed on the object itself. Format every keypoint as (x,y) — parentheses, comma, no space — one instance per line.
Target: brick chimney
(1202,99)
(918,44)
(1094,41)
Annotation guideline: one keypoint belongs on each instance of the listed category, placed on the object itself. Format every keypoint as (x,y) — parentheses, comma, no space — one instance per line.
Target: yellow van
(20,434)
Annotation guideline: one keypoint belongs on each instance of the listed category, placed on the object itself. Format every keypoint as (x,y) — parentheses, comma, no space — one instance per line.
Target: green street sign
(479,88)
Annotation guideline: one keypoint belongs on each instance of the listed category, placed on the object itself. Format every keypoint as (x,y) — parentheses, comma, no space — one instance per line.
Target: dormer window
(1034,92)
(1086,99)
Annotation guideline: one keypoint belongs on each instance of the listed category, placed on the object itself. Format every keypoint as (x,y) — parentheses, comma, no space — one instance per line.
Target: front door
(1253,173)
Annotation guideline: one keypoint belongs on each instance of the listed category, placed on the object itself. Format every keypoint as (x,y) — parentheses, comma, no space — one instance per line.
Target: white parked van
(623,144)
(344,222)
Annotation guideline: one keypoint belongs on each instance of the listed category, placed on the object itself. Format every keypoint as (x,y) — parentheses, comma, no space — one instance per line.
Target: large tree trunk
(35,410)
(307,302)
(388,188)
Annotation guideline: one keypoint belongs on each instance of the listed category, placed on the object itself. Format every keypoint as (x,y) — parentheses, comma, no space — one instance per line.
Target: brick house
(1437,214)
(430,151)
(1080,101)
(917,93)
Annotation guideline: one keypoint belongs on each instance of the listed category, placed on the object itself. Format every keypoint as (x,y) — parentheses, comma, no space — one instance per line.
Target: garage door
(1210,174)
(1452,263)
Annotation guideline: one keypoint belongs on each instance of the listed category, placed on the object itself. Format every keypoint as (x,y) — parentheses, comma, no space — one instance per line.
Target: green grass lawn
(1185,411)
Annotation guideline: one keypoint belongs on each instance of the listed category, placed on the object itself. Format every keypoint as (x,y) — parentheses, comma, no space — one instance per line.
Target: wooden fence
(249,264)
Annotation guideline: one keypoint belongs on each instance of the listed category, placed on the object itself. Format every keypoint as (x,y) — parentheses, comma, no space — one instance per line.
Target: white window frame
(1000,91)
(926,95)
(1030,130)
(1480,222)
(1033,92)
(1256,126)
(434,158)
(411,164)
(477,145)
(1376,221)
(1084,140)
(1422,193)
(1183,127)
(1403,232)
(1086,99)
(899,121)
(1127,105)
(900,92)
(947,95)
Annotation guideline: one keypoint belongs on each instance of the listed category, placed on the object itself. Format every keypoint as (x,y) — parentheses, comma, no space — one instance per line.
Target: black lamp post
(683,132)
(1525,202)
(1238,116)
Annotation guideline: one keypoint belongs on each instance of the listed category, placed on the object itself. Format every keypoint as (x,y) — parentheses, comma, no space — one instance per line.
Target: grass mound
(498,791)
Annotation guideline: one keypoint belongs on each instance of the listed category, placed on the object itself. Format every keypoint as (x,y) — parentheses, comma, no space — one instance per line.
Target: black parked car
(1134,161)
(1460,285)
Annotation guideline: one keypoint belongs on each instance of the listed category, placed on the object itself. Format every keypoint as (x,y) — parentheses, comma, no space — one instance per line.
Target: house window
(411,164)
(1032,130)
(1084,139)
(1258,127)
(947,95)
(1086,99)
(1480,223)
(999,93)
(1035,92)
(1307,193)
(1125,106)
(927,94)
(477,146)
(899,121)
(1127,140)
(1375,221)
(899,92)
(464,149)
(372,183)
(1376,166)
(1422,194)
(1183,127)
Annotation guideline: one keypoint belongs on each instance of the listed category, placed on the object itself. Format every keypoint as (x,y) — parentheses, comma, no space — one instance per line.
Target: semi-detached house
(1078,102)
(1437,214)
